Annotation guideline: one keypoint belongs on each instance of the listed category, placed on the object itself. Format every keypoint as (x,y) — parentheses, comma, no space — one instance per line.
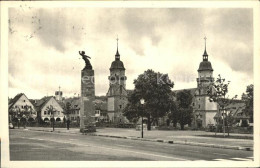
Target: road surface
(48,146)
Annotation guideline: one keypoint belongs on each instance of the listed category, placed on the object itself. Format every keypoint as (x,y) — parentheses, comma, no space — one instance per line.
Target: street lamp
(142,103)
(223,117)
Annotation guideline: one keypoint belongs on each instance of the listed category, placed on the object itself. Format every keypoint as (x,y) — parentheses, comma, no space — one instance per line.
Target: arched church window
(121,89)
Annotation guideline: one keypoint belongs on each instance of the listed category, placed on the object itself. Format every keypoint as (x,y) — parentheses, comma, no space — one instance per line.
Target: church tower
(117,94)
(204,110)
(205,73)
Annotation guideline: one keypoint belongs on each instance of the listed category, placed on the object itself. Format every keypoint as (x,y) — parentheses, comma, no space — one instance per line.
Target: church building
(117,93)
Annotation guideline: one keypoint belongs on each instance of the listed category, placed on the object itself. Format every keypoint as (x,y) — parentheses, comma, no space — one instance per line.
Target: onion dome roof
(117,64)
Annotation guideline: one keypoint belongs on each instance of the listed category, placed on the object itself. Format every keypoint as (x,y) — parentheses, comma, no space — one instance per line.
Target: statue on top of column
(86,59)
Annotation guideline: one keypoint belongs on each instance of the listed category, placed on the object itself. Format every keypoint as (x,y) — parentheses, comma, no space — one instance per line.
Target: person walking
(68,124)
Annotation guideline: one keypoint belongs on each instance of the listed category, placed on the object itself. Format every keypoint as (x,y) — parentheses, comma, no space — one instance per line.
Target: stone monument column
(87,108)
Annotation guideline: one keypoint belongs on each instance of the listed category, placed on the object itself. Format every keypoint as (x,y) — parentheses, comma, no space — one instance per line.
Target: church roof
(117,64)
(205,65)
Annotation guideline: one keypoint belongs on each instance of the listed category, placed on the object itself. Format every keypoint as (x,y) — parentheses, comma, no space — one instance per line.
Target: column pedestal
(87,107)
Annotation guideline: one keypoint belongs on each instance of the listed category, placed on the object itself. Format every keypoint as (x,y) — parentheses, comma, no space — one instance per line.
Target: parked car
(11,126)
(211,128)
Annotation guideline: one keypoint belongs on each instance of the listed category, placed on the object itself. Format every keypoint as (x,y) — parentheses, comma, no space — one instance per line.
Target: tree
(248,97)
(155,89)
(50,109)
(25,114)
(183,111)
(67,111)
(172,115)
(217,92)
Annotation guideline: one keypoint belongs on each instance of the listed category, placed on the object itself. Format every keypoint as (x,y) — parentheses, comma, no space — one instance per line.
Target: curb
(179,142)
(161,141)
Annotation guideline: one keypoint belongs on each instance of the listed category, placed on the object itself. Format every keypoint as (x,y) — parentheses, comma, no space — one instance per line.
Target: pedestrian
(68,124)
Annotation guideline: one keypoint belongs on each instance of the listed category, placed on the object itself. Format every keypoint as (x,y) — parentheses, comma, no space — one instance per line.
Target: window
(199,105)
(121,89)
(44,112)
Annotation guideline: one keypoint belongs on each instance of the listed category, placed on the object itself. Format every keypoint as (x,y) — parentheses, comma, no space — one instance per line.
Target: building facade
(74,114)
(101,112)
(43,107)
(117,94)
(20,107)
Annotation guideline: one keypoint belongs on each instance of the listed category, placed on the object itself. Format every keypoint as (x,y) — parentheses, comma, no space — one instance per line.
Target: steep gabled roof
(15,99)
(236,109)
(40,103)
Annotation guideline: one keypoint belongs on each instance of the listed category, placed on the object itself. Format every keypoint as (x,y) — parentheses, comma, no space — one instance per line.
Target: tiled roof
(14,100)
(75,102)
(101,106)
(40,103)
(236,109)
(117,64)
(205,65)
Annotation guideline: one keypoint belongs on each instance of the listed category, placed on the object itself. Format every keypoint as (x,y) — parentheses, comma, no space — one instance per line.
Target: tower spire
(205,55)
(117,53)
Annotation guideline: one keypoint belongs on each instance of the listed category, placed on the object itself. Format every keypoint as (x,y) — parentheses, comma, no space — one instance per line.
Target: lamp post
(15,115)
(223,115)
(142,103)
(53,121)
(18,117)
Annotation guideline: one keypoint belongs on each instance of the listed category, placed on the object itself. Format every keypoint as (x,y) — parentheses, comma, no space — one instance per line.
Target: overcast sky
(44,45)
